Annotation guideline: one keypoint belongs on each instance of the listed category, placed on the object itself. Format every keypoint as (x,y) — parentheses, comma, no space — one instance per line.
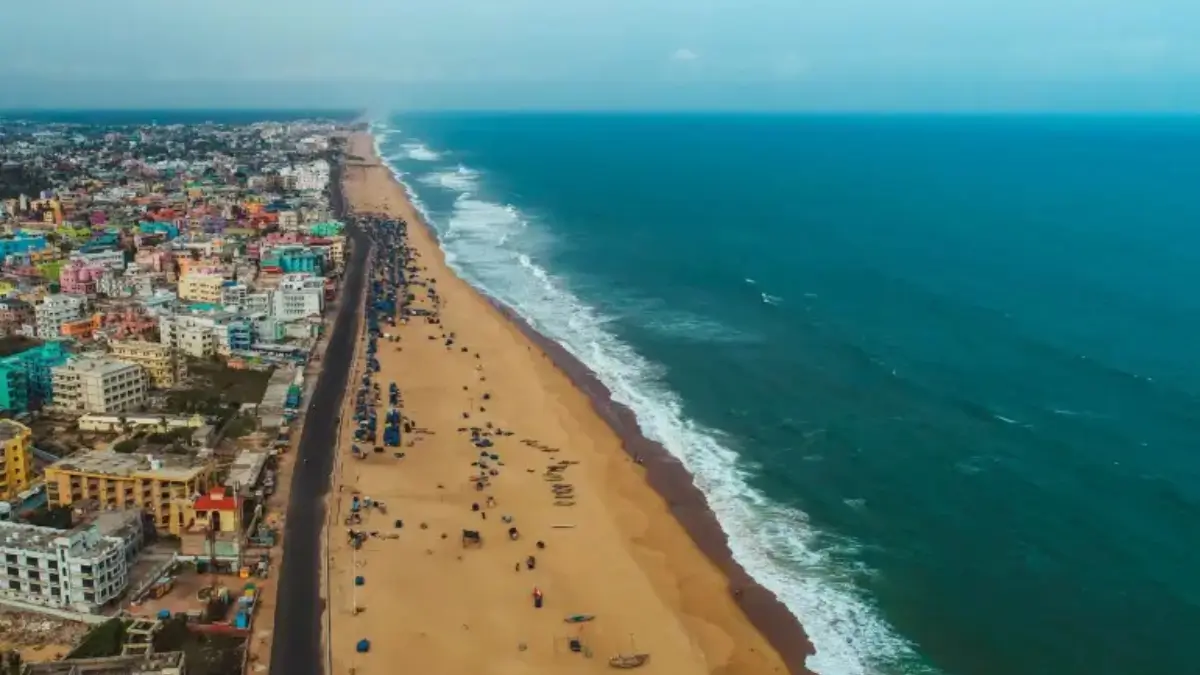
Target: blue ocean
(937,376)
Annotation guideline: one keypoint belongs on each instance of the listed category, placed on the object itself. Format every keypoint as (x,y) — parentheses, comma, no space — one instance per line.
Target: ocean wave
(493,247)
(461,179)
(420,152)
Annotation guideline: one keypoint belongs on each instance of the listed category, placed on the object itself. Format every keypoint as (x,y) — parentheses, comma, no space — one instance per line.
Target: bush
(128,445)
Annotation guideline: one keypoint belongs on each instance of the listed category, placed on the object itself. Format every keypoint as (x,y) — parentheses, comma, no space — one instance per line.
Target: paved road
(296,643)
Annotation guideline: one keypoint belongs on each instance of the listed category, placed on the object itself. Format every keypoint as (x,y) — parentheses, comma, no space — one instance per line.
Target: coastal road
(296,643)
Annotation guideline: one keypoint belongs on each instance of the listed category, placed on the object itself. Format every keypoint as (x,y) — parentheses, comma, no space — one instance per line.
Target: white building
(299,296)
(80,569)
(191,335)
(99,385)
(51,312)
(113,260)
(234,295)
(262,302)
(313,176)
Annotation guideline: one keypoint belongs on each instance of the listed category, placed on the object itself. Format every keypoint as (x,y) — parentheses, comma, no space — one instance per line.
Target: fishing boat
(579,618)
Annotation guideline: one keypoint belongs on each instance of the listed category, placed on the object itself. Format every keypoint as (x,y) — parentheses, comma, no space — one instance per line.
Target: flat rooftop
(99,365)
(109,463)
(142,664)
(23,537)
(246,469)
(10,430)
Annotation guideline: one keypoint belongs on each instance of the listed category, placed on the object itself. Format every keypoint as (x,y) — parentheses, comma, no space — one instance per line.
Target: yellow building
(18,458)
(163,364)
(201,287)
(162,486)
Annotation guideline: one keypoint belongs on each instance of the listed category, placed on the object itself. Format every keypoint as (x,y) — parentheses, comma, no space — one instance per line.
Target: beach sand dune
(430,602)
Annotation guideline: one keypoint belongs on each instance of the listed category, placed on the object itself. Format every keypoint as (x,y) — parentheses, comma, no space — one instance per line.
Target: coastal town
(253,421)
(165,295)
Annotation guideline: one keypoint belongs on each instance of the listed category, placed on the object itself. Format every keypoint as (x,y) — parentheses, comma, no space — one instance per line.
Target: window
(14,585)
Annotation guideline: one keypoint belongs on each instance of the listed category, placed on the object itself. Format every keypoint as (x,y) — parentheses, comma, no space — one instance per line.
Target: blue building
(21,244)
(241,334)
(26,381)
(168,230)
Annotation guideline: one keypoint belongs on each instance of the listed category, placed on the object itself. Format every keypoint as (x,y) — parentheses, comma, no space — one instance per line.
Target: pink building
(80,278)
(155,260)
(129,321)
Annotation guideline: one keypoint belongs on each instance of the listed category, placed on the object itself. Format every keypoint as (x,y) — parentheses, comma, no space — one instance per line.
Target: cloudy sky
(822,54)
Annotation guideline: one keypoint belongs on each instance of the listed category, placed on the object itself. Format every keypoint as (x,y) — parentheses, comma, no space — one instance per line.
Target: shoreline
(662,472)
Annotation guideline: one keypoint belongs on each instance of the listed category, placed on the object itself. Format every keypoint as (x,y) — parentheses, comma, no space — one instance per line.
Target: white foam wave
(461,179)
(771,299)
(493,247)
(420,152)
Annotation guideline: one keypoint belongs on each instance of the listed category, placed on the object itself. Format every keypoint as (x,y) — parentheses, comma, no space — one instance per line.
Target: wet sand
(639,549)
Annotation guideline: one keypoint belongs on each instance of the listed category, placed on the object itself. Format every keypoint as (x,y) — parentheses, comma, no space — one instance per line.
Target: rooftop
(97,364)
(108,463)
(47,539)
(246,469)
(141,664)
(10,430)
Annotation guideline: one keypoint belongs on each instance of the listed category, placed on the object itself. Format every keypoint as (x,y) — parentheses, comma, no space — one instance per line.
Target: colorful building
(21,244)
(17,442)
(199,287)
(163,365)
(162,486)
(80,277)
(26,378)
(168,230)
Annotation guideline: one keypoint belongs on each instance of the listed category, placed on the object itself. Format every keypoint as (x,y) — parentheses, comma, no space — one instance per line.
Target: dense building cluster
(132,257)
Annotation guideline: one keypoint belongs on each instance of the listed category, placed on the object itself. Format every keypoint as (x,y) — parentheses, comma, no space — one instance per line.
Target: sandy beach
(610,545)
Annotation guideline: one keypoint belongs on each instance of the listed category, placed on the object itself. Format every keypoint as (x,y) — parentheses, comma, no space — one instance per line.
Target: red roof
(216,500)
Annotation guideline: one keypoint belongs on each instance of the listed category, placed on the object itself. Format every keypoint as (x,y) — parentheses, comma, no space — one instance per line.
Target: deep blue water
(937,374)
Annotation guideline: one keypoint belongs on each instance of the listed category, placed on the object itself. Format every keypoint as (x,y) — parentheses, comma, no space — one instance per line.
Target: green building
(328,229)
(25,377)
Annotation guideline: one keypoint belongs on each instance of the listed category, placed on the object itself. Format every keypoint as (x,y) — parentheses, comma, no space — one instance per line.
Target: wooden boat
(579,618)
(626,661)
(565,502)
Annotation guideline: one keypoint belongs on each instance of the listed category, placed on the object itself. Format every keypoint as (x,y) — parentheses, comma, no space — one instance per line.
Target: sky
(598,54)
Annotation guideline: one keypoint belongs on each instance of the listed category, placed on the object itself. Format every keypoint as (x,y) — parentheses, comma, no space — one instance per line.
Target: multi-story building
(53,310)
(80,278)
(21,244)
(191,335)
(164,366)
(299,296)
(233,295)
(26,378)
(162,486)
(15,315)
(99,385)
(113,259)
(262,302)
(289,220)
(81,569)
(199,287)
(16,443)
